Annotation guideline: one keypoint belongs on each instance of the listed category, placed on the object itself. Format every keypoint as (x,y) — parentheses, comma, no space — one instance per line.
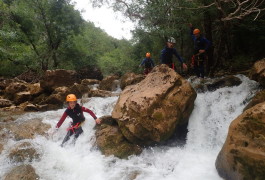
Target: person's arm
(98,121)
(142,63)
(191,32)
(180,59)
(162,56)
(61,120)
(207,44)
(178,56)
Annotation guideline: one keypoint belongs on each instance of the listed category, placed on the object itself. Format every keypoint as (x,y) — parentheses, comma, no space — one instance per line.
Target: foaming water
(208,127)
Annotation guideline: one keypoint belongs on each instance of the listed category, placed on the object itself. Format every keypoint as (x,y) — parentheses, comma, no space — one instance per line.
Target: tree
(44,25)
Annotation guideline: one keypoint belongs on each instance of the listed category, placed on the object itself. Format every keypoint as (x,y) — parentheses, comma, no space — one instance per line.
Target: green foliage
(119,60)
(48,34)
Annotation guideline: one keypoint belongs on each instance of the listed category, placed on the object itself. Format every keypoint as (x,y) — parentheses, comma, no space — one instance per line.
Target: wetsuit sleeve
(90,112)
(61,120)
(178,56)
(207,43)
(142,62)
(162,56)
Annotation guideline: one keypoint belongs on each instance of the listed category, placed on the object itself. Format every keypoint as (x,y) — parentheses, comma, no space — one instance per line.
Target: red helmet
(196,31)
(148,55)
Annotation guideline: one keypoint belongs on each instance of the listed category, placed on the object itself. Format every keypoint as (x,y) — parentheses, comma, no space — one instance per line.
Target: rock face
(150,111)
(23,151)
(243,154)
(257,72)
(258,98)
(22,172)
(111,141)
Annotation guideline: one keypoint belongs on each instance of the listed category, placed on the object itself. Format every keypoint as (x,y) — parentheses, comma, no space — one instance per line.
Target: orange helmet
(148,55)
(71,97)
(196,31)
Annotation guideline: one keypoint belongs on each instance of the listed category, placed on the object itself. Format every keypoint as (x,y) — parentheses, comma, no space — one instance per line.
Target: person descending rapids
(201,45)
(74,111)
(168,52)
(148,63)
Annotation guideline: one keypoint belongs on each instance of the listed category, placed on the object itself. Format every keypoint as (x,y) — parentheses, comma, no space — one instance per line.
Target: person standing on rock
(148,63)
(201,45)
(168,52)
(75,111)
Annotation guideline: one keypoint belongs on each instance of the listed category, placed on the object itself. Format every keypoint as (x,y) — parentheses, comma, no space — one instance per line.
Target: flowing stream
(207,131)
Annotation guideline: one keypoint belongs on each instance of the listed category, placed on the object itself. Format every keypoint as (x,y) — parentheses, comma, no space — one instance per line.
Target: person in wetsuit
(201,45)
(168,52)
(148,63)
(75,111)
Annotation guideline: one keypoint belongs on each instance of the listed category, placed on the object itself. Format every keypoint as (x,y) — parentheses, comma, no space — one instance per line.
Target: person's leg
(196,70)
(67,137)
(78,131)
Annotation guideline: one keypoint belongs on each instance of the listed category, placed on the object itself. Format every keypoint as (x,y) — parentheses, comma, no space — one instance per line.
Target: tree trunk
(208,34)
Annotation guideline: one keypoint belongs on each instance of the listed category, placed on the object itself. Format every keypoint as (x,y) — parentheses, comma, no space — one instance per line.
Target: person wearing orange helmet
(201,45)
(74,111)
(148,63)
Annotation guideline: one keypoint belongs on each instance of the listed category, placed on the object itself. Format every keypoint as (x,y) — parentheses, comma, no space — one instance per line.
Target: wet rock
(258,98)
(257,72)
(99,93)
(87,82)
(21,97)
(5,103)
(14,88)
(90,72)
(228,81)
(150,111)
(28,129)
(22,172)
(109,83)
(57,78)
(130,79)
(110,140)
(22,152)
(243,153)
(1,148)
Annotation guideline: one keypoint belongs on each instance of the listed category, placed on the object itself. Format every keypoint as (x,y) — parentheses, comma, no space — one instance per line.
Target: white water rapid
(208,127)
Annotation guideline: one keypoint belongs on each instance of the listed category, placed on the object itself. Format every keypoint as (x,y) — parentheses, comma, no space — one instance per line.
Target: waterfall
(207,131)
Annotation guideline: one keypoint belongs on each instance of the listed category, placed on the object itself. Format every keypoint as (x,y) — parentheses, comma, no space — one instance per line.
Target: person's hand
(98,121)
(201,51)
(185,67)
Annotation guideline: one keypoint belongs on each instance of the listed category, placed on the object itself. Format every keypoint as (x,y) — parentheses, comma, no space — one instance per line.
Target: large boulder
(57,78)
(130,79)
(257,72)
(111,141)
(150,111)
(243,153)
(22,172)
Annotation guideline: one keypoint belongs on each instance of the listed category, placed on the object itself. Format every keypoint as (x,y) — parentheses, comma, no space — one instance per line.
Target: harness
(72,128)
(198,59)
